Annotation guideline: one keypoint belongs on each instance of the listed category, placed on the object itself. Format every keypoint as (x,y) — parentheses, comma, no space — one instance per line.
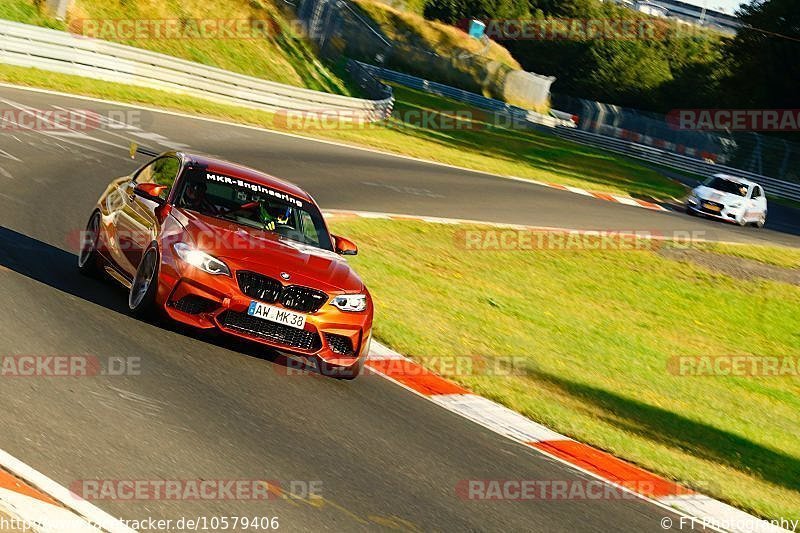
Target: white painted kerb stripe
(62,495)
(44,517)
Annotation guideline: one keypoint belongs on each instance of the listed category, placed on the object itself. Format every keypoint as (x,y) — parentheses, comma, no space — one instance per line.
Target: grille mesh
(339,343)
(272,331)
(266,289)
(303,299)
(194,305)
(259,287)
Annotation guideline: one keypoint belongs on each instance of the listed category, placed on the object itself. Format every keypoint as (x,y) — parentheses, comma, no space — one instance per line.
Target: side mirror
(344,246)
(150,191)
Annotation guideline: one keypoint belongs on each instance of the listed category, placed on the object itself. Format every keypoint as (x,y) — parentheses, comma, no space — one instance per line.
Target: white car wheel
(741,220)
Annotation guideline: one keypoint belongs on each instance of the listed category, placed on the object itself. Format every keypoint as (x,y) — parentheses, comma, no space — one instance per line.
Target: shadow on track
(58,268)
(55,267)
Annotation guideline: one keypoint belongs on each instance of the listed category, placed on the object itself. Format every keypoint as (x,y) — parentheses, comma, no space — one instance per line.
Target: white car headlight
(201,260)
(350,302)
(693,199)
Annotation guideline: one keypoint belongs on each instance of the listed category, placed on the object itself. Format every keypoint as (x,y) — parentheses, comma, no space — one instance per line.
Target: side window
(757,192)
(145,175)
(309,230)
(162,171)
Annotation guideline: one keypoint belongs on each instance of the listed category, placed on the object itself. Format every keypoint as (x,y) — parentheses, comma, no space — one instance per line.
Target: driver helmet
(196,190)
(279,213)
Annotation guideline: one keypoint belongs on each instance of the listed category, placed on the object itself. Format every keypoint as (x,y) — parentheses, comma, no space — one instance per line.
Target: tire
(742,221)
(89,260)
(761,222)
(691,212)
(142,295)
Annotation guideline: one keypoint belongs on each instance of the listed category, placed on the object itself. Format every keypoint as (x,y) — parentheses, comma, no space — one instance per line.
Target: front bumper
(725,213)
(330,338)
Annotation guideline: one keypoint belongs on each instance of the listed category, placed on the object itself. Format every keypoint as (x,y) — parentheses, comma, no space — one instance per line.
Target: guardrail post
(59,8)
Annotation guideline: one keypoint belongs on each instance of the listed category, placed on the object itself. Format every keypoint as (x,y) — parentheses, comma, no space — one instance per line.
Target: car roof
(234,170)
(735,179)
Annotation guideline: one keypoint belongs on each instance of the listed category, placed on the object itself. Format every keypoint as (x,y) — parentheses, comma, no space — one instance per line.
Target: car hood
(725,198)
(244,248)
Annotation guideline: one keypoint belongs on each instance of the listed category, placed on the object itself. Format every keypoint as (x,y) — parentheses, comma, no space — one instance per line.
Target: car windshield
(253,205)
(724,185)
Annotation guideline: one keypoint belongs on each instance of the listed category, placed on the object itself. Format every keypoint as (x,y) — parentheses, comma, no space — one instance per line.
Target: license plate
(711,207)
(276,314)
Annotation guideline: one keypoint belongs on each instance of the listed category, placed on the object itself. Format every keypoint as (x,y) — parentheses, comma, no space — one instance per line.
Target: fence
(57,51)
(744,151)
(339,28)
(518,117)
(772,186)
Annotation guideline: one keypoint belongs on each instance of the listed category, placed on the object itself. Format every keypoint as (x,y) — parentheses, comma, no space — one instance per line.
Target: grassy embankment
(596,331)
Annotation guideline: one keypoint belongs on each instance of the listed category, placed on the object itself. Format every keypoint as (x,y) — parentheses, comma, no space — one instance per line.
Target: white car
(729,198)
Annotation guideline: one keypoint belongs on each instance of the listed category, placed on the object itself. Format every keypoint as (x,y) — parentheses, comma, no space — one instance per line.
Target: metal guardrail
(772,186)
(519,115)
(58,51)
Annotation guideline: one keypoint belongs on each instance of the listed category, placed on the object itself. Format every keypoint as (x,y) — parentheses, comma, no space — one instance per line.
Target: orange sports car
(216,245)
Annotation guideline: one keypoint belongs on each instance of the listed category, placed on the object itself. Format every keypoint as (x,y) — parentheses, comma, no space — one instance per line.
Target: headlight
(693,199)
(201,260)
(350,302)
(737,205)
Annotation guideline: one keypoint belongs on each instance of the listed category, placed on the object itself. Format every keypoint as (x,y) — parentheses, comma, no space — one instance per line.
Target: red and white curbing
(608,197)
(37,503)
(601,465)
(30,501)
(345,213)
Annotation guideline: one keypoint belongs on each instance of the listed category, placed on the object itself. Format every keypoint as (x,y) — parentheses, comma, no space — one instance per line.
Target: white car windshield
(724,185)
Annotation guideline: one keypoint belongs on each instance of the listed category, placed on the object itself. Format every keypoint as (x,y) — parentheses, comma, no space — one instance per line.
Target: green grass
(25,11)
(282,55)
(440,39)
(783,257)
(526,154)
(595,332)
(435,51)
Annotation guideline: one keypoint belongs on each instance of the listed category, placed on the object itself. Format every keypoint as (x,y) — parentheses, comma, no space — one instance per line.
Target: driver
(274,215)
(194,197)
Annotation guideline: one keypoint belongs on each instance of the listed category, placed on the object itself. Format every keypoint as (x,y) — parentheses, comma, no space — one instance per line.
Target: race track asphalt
(206,409)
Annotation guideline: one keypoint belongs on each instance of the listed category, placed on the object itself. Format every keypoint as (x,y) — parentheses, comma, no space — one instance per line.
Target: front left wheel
(142,296)
(89,260)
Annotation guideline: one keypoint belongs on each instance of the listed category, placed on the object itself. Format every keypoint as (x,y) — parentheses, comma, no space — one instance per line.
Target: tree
(763,57)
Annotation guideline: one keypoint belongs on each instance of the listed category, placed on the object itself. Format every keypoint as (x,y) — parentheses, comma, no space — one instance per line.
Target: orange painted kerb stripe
(604,196)
(645,203)
(611,468)
(415,377)
(9,482)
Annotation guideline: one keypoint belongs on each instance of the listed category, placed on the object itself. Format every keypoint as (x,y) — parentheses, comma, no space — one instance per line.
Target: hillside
(263,44)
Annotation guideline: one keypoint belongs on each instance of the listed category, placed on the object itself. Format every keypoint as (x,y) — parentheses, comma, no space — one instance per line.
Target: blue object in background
(476,28)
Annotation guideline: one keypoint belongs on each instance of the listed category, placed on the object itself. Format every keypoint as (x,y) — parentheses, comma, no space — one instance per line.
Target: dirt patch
(736,267)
